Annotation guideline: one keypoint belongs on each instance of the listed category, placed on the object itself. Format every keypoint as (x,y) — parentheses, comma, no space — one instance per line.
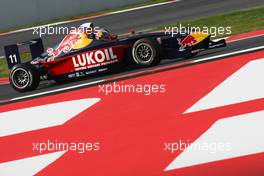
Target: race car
(90,50)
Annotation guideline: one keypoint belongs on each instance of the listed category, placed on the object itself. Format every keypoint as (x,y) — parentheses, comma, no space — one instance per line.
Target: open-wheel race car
(81,54)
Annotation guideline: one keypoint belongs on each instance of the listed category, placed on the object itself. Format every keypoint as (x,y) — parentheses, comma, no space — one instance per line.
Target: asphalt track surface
(8,93)
(144,18)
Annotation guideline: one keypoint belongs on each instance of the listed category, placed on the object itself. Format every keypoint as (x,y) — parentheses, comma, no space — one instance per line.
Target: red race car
(90,50)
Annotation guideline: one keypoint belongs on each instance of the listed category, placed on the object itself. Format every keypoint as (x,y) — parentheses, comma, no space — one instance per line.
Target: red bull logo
(66,44)
(187,41)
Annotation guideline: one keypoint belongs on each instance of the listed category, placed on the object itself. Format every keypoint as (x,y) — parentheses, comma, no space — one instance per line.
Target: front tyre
(24,77)
(146,52)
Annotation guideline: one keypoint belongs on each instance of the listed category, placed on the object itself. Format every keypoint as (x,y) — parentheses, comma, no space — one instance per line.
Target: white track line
(13,122)
(29,166)
(101,81)
(229,54)
(89,17)
(57,90)
(244,85)
(143,7)
(238,136)
(244,38)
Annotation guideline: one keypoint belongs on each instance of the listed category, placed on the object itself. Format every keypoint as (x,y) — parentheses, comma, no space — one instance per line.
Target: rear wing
(12,51)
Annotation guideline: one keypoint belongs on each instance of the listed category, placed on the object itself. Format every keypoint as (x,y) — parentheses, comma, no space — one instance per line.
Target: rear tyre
(146,52)
(24,77)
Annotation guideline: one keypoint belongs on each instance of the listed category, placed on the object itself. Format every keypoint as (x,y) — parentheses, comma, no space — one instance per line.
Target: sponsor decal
(187,41)
(66,44)
(93,59)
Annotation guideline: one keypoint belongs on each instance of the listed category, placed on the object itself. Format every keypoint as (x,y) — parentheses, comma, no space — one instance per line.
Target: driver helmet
(87,28)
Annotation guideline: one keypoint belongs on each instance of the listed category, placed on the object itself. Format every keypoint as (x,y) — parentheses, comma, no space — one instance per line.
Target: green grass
(148,2)
(240,21)
(4,68)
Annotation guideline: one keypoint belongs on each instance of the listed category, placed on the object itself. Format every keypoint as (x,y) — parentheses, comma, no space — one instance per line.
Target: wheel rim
(144,53)
(20,78)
